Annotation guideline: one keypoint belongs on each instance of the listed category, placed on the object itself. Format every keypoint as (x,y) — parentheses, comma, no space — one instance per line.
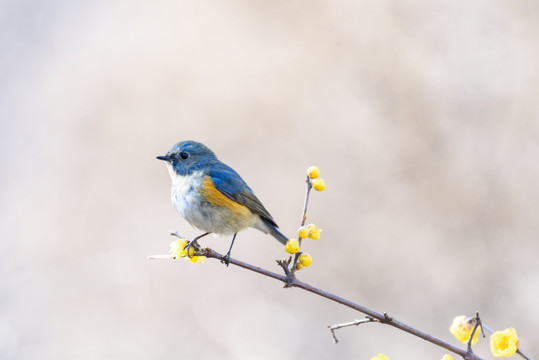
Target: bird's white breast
(184,194)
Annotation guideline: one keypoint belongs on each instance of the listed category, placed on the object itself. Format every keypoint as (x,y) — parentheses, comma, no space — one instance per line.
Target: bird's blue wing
(230,184)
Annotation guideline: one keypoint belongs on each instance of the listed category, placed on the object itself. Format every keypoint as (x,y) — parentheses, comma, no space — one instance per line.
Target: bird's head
(188,156)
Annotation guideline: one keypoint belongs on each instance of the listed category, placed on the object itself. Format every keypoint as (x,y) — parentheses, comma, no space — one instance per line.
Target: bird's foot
(226,259)
(192,244)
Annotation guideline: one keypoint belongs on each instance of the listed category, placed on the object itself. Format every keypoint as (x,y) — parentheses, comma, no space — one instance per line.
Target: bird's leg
(194,243)
(226,259)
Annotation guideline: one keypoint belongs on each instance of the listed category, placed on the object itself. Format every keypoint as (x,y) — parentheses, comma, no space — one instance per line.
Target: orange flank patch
(215,197)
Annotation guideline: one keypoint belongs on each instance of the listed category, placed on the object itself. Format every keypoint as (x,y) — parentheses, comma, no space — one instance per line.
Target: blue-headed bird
(212,197)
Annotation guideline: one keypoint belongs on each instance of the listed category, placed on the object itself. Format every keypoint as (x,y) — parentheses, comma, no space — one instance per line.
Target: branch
(382,318)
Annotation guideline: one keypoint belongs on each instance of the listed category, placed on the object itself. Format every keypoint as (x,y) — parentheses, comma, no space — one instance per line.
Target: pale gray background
(422,116)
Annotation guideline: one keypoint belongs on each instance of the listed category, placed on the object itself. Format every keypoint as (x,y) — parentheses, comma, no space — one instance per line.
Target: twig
(290,275)
(332,328)
(306,203)
(292,268)
(477,323)
(523,355)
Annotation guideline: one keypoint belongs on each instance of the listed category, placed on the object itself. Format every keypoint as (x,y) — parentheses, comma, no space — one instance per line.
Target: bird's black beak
(163,157)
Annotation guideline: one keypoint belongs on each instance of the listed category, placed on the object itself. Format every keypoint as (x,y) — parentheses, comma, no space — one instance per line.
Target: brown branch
(382,318)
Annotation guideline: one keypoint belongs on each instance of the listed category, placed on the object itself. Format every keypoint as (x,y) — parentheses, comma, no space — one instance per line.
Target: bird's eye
(184,155)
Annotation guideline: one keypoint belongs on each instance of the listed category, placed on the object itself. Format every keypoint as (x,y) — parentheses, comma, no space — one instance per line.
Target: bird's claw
(192,244)
(226,259)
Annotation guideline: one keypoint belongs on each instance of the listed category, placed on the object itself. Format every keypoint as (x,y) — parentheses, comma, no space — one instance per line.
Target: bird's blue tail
(273,231)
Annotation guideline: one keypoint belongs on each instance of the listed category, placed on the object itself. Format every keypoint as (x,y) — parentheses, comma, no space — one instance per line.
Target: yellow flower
(305,259)
(299,266)
(314,231)
(379,357)
(313,172)
(196,259)
(447,357)
(177,250)
(292,246)
(462,328)
(504,343)
(319,184)
(303,232)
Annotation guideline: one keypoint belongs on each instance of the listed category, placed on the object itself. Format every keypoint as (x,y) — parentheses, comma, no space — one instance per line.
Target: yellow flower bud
(305,259)
(504,343)
(447,357)
(319,184)
(313,172)
(380,357)
(292,246)
(303,232)
(299,266)
(462,328)
(314,231)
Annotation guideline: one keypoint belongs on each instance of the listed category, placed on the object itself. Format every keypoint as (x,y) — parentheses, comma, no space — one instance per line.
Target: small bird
(212,197)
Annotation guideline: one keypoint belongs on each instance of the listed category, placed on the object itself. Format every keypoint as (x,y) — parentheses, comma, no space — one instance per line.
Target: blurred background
(422,116)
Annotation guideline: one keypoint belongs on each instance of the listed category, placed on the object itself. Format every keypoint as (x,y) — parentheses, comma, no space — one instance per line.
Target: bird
(212,197)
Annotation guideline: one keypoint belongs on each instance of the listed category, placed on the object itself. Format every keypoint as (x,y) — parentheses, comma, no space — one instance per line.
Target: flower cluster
(318,183)
(178,250)
(292,247)
(311,231)
(503,343)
